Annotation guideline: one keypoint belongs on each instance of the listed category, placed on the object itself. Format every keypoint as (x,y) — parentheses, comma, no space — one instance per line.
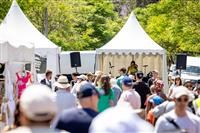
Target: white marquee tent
(14,55)
(132,43)
(16,26)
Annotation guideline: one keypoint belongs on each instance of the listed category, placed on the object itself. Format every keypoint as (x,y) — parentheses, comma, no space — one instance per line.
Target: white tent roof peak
(131,39)
(16,26)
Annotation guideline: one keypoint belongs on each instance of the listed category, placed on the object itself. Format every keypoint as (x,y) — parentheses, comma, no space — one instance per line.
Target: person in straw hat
(65,99)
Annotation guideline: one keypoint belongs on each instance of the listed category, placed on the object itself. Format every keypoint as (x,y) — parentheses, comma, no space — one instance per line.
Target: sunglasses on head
(182,99)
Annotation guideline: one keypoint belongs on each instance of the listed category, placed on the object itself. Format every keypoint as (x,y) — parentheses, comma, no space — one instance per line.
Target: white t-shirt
(38,129)
(190,123)
(132,97)
(65,100)
(119,119)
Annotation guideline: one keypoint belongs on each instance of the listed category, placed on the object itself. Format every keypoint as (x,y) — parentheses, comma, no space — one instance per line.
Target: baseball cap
(38,103)
(87,90)
(127,81)
(83,77)
(155,71)
(180,91)
(139,74)
(156,100)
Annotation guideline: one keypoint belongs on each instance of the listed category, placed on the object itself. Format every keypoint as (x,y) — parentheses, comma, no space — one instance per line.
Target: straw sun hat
(62,82)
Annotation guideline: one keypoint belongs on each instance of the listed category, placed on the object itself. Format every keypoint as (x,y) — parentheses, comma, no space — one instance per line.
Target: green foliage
(173,24)
(72,24)
(4,7)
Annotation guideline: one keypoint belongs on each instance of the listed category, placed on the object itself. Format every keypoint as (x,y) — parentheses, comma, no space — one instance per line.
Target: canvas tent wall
(87,62)
(14,54)
(132,43)
(16,26)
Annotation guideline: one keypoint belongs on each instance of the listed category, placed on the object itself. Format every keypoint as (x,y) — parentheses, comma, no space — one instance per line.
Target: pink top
(21,83)
(132,97)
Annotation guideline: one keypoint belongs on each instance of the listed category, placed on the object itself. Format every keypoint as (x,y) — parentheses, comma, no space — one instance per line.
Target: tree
(173,24)
(4,7)
(125,7)
(72,24)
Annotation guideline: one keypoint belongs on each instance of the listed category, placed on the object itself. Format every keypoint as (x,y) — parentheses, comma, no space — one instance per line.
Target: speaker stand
(76,69)
(180,72)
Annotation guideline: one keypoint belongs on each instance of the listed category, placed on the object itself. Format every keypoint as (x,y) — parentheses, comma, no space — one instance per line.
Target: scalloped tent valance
(126,52)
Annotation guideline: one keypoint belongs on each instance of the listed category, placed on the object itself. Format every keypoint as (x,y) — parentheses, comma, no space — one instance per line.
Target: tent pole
(164,75)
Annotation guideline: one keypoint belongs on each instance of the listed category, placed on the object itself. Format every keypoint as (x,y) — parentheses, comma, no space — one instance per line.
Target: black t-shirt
(150,82)
(76,120)
(142,90)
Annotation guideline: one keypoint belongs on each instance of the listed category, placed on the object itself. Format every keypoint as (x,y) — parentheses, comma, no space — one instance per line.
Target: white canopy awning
(17,27)
(11,51)
(132,43)
(131,39)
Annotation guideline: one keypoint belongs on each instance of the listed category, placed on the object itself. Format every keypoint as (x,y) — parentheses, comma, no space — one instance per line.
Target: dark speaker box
(181,61)
(2,67)
(75,59)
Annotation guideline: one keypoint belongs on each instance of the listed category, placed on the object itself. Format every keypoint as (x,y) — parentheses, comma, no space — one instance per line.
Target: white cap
(38,103)
(182,91)
(62,82)
(83,77)
(119,119)
(113,81)
(98,73)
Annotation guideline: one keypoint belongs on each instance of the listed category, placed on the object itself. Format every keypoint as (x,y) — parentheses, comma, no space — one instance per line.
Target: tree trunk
(46,22)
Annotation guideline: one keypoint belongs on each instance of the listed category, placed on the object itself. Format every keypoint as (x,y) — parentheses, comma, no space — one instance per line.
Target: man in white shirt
(65,99)
(129,95)
(179,119)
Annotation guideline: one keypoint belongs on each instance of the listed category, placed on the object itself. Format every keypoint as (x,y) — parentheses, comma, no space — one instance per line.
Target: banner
(40,64)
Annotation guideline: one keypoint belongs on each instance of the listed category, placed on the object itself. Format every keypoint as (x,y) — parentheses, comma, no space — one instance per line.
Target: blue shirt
(76,120)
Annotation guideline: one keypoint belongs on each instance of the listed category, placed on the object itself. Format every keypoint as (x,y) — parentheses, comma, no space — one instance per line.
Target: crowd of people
(96,102)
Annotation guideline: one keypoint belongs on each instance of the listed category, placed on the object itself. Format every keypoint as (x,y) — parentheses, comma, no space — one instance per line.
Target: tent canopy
(10,51)
(16,26)
(131,39)
(132,43)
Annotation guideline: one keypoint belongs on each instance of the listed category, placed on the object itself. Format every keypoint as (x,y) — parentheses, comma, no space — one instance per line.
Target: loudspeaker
(75,59)
(181,61)
(2,67)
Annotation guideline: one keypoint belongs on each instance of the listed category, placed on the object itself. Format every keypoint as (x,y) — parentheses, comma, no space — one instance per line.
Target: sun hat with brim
(62,82)
(38,103)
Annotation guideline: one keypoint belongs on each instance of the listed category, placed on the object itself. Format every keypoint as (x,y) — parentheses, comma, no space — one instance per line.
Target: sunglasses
(182,99)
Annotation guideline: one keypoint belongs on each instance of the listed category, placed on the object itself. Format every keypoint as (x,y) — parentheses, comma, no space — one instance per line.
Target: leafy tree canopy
(173,24)
(72,24)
